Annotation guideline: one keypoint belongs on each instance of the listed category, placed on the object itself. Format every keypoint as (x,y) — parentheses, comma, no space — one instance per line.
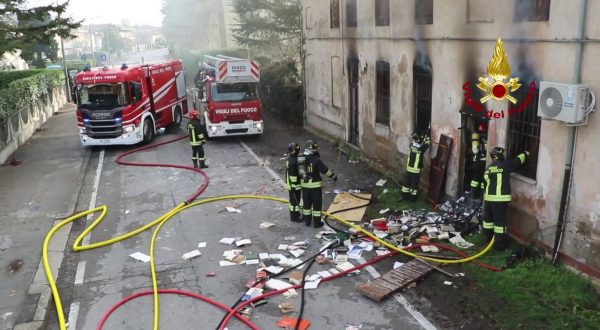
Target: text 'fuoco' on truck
(128,105)
(230,100)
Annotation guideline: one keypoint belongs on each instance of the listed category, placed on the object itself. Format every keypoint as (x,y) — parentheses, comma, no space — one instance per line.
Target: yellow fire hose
(77,246)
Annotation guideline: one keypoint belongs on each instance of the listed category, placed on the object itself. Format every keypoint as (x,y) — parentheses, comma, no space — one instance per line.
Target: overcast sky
(136,12)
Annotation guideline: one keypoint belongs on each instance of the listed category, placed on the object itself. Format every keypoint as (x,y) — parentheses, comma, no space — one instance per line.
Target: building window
(351,18)
(334,13)
(532,10)
(524,134)
(382,12)
(424,11)
(422,85)
(382,115)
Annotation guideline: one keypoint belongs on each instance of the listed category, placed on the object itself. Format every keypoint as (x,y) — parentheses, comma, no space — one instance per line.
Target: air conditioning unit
(569,103)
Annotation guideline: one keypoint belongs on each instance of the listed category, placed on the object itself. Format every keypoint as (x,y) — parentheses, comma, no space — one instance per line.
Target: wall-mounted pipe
(572,141)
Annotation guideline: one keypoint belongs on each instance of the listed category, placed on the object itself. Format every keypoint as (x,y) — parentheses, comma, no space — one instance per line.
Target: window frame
(334,14)
(423,12)
(351,17)
(523,133)
(382,12)
(382,92)
(532,10)
(423,98)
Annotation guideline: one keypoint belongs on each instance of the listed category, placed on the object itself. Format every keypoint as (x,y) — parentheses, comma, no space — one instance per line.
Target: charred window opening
(382,12)
(351,17)
(382,116)
(524,134)
(422,85)
(532,10)
(334,13)
(424,11)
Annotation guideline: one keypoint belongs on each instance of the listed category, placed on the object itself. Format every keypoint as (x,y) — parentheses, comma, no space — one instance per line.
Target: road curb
(44,288)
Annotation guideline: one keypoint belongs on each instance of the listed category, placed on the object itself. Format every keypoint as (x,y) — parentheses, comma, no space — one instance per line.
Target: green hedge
(6,77)
(25,91)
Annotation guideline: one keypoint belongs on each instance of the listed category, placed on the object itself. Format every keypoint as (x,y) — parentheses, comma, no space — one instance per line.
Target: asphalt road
(93,281)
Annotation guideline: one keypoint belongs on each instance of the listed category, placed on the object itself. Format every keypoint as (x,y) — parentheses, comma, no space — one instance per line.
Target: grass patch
(533,294)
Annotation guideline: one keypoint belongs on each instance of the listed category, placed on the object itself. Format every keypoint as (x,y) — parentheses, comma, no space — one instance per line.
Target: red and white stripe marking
(255,70)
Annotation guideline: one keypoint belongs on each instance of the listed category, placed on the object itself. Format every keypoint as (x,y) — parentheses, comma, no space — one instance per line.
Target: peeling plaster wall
(459,45)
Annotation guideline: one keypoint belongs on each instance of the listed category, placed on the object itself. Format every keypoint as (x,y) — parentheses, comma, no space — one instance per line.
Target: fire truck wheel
(177,118)
(148,130)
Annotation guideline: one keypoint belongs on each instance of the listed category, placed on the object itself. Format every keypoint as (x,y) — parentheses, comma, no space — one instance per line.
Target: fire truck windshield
(234,92)
(102,96)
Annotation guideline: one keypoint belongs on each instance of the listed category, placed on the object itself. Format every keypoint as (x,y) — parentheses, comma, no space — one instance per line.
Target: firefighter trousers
(495,222)
(411,185)
(294,204)
(198,156)
(312,200)
(477,179)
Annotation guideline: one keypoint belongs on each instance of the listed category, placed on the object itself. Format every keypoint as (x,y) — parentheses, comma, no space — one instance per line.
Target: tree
(269,25)
(112,40)
(32,30)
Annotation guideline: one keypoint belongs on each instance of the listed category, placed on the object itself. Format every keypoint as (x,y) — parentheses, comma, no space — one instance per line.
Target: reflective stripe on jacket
(497,178)
(195,132)
(292,179)
(313,168)
(414,162)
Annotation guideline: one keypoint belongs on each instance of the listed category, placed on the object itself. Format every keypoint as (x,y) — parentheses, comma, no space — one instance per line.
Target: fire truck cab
(229,93)
(128,105)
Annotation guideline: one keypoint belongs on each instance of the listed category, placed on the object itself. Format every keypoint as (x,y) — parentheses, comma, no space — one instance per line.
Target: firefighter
(197,140)
(312,185)
(414,166)
(478,147)
(497,194)
(292,181)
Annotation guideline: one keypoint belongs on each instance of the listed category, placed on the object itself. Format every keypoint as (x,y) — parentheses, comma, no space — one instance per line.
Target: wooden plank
(437,172)
(389,283)
(345,201)
(374,291)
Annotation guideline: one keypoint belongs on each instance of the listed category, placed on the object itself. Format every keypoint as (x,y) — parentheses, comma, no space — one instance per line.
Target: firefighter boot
(202,164)
(307,218)
(317,222)
(295,216)
(195,163)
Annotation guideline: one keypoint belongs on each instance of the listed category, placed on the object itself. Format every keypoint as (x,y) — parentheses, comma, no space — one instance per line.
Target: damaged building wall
(459,45)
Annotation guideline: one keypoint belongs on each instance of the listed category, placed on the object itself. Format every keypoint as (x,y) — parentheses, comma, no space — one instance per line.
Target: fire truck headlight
(86,120)
(129,128)
(213,128)
(259,125)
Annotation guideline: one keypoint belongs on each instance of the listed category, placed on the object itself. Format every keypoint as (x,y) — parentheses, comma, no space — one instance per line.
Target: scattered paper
(202,244)
(355,252)
(243,242)
(398,264)
(277,256)
(227,240)
(367,246)
(380,252)
(290,263)
(191,255)
(126,211)
(230,254)
(140,256)
(275,284)
(353,327)
(384,211)
(324,274)
(334,271)
(344,266)
(341,258)
(425,248)
(223,263)
(447,283)
(291,293)
(312,285)
(252,293)
(297,253)
(266,224)
(286,307)
(263,256)
(381,183)
(460,242)
(282,247)
(274,269)
(251,261)
(289,238)
(337,191)
(233,210)
(434,248)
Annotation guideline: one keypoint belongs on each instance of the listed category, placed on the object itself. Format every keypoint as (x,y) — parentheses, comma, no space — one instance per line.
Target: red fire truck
(228,89)
(128,105)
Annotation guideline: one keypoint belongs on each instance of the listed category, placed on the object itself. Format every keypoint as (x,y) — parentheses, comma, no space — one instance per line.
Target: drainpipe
(304,66)
(572,142)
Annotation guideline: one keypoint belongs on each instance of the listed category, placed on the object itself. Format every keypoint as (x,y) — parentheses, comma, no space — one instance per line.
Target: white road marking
(86,240)
(80,273)
(73,314)
(374,273)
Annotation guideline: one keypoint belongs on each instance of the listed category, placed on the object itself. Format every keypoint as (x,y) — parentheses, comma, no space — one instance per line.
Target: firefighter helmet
(497,153)
(312,145)
(194,114)
(293,148)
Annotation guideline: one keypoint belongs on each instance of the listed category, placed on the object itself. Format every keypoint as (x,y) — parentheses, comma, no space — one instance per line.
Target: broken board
(389,283)
(347,200)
